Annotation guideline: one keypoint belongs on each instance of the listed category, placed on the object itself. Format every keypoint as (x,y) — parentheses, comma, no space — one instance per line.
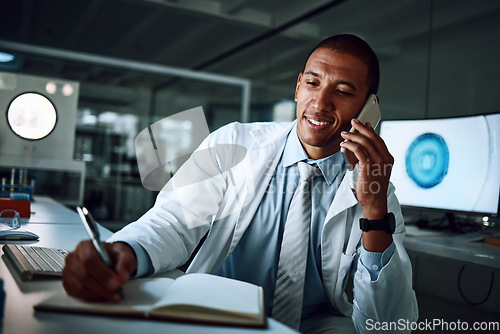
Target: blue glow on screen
(448,163)
(427,160)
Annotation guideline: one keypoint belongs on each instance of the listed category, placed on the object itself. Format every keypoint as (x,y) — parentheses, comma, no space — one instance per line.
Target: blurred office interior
(113,67)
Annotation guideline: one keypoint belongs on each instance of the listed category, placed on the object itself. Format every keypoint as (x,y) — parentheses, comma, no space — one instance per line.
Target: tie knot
(307,172)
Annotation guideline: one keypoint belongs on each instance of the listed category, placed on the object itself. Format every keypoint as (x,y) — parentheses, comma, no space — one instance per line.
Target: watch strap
(386,224)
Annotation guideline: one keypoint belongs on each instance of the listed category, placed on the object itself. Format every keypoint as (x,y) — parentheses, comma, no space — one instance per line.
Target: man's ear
(297,86)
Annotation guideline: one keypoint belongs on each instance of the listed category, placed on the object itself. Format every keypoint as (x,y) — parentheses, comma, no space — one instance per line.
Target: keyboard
(33,261)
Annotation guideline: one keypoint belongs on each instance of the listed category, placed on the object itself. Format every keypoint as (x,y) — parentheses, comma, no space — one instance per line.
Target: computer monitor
(450,164)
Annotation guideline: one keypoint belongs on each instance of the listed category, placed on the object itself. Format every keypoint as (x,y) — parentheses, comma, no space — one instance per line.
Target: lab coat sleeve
(170,231)
(388,302)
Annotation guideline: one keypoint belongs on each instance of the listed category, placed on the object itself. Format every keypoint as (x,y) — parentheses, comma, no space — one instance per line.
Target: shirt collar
(294,152)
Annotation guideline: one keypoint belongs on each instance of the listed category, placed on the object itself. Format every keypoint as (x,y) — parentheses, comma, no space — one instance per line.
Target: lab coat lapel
(336,260)
(346,197)
(262,158)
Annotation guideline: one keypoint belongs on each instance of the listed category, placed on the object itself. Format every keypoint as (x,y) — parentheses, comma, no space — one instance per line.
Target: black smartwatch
(387,224)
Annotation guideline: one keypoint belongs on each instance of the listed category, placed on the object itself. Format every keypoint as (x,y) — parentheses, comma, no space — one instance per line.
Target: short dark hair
(356,47)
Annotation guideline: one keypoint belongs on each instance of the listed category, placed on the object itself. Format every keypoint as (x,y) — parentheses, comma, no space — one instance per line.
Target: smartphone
(369,113)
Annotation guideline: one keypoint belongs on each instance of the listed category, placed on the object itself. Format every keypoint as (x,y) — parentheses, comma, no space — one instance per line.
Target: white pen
(93,231)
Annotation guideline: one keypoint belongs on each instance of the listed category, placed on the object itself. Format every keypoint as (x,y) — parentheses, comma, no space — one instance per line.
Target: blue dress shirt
(255,258)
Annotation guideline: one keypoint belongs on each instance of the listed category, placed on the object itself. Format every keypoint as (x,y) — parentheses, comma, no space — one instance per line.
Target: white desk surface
(60,232)
(466,247)
(46,210)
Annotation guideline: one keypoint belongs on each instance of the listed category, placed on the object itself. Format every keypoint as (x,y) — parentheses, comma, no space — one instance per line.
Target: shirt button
(374,267)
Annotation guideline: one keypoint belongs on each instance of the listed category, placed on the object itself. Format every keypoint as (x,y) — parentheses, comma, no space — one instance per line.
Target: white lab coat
(216,191)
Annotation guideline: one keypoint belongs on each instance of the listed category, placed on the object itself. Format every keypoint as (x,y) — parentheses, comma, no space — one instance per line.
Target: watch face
(31,116)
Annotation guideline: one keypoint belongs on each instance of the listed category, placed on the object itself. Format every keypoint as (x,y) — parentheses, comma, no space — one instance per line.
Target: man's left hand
(368,149)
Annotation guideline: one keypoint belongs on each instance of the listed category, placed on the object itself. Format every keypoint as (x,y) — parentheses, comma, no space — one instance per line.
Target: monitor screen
(451,164)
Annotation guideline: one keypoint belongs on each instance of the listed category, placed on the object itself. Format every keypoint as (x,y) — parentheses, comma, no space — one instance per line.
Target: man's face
(329,93)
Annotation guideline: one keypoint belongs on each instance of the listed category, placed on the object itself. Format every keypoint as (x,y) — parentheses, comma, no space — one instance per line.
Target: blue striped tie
(289,292)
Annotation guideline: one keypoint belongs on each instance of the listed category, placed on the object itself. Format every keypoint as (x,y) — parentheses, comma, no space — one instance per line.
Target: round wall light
(31,116)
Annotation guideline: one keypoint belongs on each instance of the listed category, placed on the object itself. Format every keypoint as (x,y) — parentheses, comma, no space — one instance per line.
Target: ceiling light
(51,87)
(6,57)
(67,90)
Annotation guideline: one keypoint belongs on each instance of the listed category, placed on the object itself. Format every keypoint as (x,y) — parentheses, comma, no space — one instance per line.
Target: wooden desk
(20,318)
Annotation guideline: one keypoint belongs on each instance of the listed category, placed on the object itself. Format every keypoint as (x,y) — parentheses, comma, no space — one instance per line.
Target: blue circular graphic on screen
(427,160)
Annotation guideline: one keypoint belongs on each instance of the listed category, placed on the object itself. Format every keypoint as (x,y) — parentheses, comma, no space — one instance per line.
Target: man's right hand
(85,275)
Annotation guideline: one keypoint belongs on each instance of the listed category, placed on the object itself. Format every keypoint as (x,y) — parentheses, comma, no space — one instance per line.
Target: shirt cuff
(374,262)
(144,264)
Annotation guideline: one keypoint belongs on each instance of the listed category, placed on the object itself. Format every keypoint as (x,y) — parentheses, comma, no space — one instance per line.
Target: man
(246,209)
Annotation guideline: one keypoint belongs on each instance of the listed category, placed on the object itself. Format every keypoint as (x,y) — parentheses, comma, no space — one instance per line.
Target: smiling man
(329,93)
(349,222)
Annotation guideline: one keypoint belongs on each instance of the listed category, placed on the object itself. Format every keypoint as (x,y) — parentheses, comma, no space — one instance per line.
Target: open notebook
(193,297)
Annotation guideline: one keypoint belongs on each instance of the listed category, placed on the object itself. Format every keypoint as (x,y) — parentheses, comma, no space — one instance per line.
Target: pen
(91,227)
